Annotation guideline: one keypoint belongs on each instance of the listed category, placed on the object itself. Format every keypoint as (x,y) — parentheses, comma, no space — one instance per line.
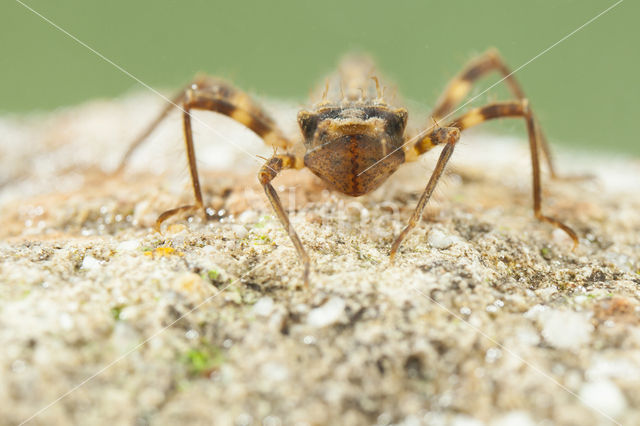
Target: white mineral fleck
(208,250)
(547,292)
(619,368)
(536,311)
(192,334)
(239,231)
(90,262)
(527,336)
(438,239)
(66,321)
(275,371)
(327,314)
(566,329)
(605,396)
(514,418)
(263,307)
(129,245)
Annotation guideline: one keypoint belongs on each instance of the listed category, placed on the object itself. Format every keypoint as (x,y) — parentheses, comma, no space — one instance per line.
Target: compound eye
(402,114)
(398,121)
(308,123)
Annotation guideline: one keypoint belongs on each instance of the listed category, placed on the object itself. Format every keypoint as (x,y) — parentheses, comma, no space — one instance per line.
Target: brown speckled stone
(466,326)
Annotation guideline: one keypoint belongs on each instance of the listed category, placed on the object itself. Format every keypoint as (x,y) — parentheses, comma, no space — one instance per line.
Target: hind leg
(460,87)
(449,135)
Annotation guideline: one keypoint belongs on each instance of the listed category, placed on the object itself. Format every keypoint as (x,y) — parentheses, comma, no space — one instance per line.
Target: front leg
(449,137)
(216,96)
(267,173)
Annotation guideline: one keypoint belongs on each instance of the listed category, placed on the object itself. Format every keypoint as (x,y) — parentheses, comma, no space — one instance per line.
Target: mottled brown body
(343,141)
(354,140)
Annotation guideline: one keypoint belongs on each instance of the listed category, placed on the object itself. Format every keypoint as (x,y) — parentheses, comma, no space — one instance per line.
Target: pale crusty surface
(487,317)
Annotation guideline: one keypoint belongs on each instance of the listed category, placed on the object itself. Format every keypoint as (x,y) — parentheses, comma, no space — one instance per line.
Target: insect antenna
(379,93)
(326,91)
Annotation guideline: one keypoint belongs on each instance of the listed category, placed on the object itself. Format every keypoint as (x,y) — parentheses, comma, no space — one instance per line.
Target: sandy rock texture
(486,318)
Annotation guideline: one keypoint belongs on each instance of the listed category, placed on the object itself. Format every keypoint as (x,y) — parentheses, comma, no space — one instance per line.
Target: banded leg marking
(461,85)
(267,173)
(212,95)
(472,118)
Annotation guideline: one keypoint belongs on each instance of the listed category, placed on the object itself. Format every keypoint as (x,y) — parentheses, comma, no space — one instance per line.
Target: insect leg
(267,173)
(517,109)
(176,100)
(460,86)
(239,101)
(449,136)
(472,118)
(219,97)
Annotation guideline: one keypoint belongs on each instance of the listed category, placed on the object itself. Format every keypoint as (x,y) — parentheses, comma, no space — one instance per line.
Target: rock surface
(487,316)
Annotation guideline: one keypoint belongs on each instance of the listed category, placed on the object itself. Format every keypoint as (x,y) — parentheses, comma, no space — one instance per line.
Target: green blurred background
(585,90)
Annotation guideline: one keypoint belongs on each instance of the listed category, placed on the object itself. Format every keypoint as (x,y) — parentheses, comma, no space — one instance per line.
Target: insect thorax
(353,147)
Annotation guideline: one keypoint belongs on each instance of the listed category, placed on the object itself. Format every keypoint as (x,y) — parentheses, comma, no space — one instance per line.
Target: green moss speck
(115,312)
(262,222)
(202,359)
(545,252)
(263,240)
